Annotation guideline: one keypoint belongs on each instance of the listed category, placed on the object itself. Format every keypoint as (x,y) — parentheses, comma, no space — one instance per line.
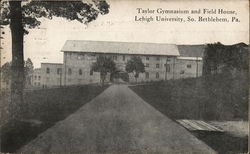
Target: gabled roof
(191,50)
(51,64)
(120,47)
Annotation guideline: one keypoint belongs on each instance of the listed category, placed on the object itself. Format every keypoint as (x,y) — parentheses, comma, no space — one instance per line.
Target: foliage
(6,71)
(135,65)
(21,15)
(28,70)
(103,65)
(83,12)
(218,56)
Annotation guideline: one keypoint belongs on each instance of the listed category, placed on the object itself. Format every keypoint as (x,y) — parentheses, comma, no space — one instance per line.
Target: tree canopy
(81,11)
(104,65)
(218,56)
(22,15)
(136,66)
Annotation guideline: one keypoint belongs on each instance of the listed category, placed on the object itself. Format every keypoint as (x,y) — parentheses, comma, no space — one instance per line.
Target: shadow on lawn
(224,142)
(47,106)
(216,98)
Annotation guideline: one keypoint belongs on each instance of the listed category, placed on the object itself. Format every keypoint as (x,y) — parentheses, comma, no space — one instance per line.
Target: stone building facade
(161,61)
(79,56)
(51,74)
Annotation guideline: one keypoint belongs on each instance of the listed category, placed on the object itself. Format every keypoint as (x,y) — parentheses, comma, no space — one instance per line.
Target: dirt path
(117,120)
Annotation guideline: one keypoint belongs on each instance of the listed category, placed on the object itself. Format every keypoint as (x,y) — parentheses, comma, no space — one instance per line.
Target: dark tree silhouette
(224,58)
(23,15)
(135,66)
(104,65)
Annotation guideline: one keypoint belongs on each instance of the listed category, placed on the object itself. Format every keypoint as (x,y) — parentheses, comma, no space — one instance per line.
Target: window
(80,72)
(47,70)
(158,58)
(147,75)
(59,71)
(157,75)
(182,72)
(157,66)
(168,59)
(147,64)
(147,58)
(39,77)
(35,77)
(123,58)
(168,68)
(91,72)
(69,71)
(80,56)
(189,66)
(114,57)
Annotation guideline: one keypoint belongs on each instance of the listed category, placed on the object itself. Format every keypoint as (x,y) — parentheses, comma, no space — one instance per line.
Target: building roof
(190,58)
(51,64)
(120,47)
(191,50)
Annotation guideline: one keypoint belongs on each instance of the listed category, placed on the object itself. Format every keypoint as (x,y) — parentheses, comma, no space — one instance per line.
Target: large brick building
(162,62)
(79,56)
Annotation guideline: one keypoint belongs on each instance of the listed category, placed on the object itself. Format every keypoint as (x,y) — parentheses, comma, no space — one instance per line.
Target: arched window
(69,71)
(80,71)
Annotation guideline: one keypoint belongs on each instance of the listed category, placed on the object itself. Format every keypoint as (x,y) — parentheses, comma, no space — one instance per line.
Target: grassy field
(41,110)
(219,97)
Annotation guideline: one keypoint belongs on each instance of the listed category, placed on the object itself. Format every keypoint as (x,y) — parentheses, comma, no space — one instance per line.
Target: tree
(23,15)
(28,70)
(104,65)
(6,71)
(135,66)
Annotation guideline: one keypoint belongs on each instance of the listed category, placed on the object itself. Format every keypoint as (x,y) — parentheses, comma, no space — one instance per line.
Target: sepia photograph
(124,76)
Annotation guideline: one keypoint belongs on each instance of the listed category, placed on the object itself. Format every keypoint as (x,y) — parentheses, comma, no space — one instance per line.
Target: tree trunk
(17,68)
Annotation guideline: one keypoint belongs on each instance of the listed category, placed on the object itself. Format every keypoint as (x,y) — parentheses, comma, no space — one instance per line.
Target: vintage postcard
(124,76)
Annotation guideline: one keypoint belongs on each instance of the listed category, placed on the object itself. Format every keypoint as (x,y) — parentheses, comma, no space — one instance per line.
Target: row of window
(37,83)
(58,70)
(37,77)
(157,75)
(80,56)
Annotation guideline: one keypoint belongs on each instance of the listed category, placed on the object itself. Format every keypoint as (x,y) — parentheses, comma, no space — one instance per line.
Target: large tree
(28,70)
(135,66)
(23,15)
(224,58)
(104,65)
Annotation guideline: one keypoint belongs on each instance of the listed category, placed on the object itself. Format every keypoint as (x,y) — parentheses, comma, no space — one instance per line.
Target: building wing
(121,47)
(191,50)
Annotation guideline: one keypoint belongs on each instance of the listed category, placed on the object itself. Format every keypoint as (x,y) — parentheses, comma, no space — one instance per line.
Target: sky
(44,44)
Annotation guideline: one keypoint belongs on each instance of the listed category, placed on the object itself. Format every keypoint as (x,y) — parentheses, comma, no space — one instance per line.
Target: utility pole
(197,67)
(1,58)
(65,57)
(173,66)
(166,67)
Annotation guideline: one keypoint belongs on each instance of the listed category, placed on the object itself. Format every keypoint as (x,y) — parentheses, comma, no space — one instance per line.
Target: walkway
(117,121)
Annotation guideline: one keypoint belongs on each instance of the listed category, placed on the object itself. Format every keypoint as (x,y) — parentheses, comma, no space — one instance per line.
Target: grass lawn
(44,107)
(215,98)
